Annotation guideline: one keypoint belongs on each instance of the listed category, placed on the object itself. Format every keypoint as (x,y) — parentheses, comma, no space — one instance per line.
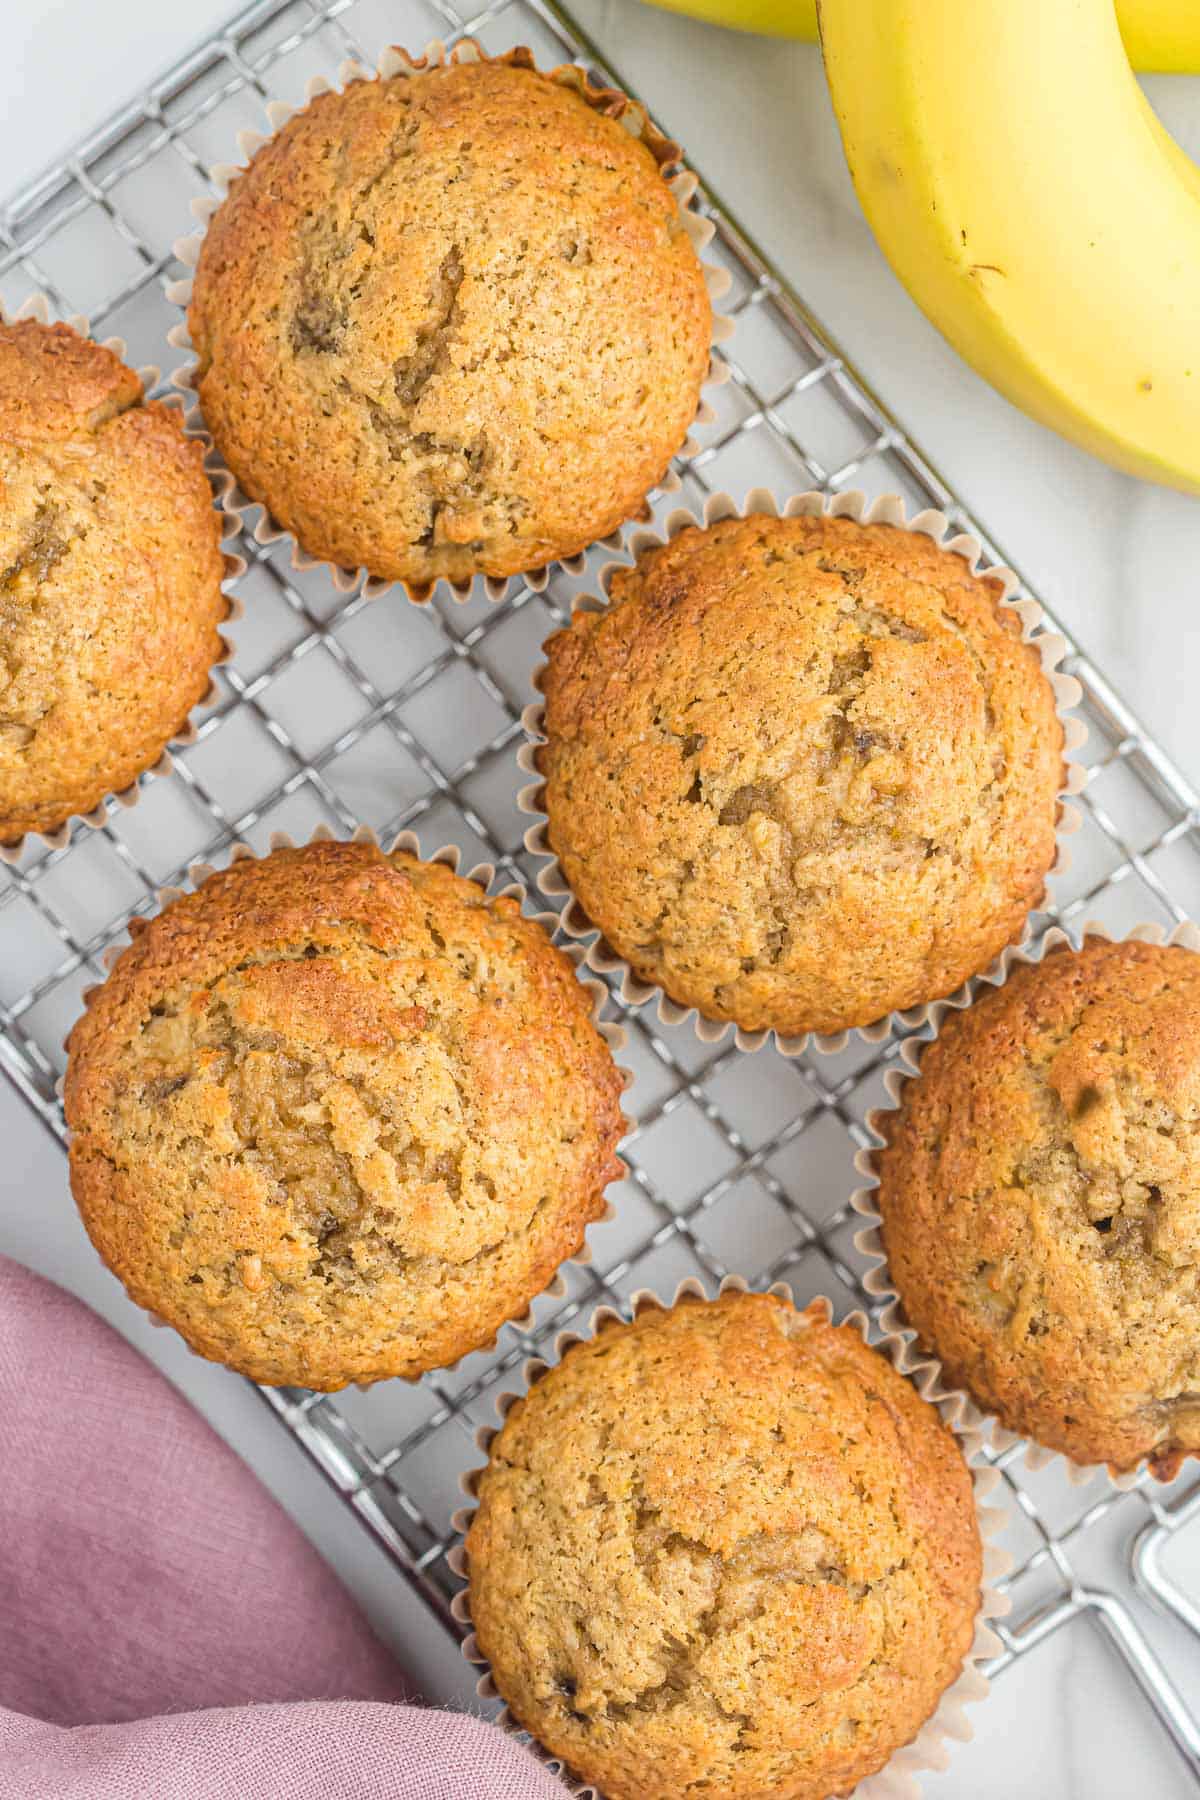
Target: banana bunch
(1030,201)
(1161,36)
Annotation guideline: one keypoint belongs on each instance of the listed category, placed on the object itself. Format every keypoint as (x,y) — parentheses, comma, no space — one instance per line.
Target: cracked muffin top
(801,772)
(450,322)
(1040,1195)
(338,1115)
(726,1551)
(110,576)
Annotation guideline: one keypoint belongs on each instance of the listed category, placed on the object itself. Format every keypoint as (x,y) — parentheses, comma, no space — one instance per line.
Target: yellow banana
(1034,207)
(1160,35)
(774,18)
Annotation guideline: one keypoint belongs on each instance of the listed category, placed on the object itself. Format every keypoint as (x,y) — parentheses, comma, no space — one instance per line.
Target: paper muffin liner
(869,1241)
(483,874)
(396,62)
(888,509)
(38,307)
(897,1780)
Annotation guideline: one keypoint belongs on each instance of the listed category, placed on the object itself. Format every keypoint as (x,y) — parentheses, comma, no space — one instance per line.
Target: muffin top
(110,576)
(450,322)
(726,1550)
(801,772)
(1041,1202)
(338,1115)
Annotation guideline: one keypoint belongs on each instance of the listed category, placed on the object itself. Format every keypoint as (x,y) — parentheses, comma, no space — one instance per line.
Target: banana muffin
(1040,1194)
(801,772)
(110,576)
(726,1551)
(338,1115)
(451,322)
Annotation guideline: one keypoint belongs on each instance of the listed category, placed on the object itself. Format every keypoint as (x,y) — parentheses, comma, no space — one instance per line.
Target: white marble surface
(1119,561)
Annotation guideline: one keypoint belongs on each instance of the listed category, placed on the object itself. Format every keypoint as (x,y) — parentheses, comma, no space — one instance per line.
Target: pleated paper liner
(869,1241)
(393,63)
(483,874)
(897,1780)
(39,307)
(888,509)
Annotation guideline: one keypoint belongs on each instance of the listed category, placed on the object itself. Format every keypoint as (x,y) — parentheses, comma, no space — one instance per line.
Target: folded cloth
(327,1750)
(145,1571)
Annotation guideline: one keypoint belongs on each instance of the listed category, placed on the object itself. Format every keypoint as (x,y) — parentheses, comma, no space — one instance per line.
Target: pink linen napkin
(145,1571)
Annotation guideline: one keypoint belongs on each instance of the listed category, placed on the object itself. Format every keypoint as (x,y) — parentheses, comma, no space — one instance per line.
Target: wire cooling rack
(343,712)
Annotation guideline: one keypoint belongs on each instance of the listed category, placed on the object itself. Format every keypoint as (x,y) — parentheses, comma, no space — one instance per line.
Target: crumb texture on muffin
(801,772)
(1040,1194)
(339,1115)
(110,576)
(450,322)
(725,1551)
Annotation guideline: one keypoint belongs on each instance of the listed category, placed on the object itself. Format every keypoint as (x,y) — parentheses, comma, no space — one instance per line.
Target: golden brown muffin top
(450,322)
(1041,1202)
(801,772)
(725,1550)
(339,1115)
(110,576)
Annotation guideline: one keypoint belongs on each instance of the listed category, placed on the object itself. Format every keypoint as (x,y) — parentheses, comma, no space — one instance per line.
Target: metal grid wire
(339,711)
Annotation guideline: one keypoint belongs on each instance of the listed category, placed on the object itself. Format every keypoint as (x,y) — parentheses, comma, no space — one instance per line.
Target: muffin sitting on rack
(801,773)
(338,1115)
(725,1550)
(452,322)
(110,577)
(1040,1197)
